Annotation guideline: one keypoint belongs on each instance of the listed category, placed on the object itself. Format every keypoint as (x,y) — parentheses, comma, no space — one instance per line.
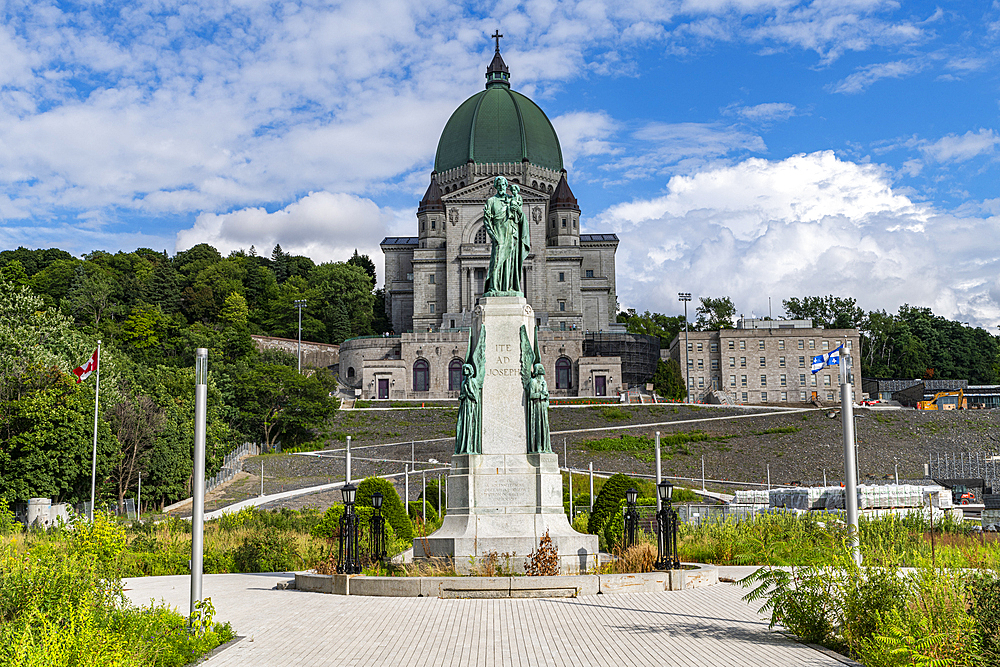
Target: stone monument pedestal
(504,500)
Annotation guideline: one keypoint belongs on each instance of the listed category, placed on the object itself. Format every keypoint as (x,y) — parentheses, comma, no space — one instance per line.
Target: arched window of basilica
(481,235)
(455,375)
(563,373)
(421,376)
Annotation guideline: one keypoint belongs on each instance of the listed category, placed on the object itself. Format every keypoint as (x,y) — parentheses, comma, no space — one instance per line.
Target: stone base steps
(509,587)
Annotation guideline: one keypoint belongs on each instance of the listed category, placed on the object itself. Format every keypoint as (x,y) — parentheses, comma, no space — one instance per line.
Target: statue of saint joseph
(505,224)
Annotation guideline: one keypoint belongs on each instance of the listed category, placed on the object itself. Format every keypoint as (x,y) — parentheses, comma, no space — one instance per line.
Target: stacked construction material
(870,496)
(752,497)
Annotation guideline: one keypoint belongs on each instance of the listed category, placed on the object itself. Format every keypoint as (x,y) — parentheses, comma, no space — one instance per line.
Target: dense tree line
(152,311)
(913,343)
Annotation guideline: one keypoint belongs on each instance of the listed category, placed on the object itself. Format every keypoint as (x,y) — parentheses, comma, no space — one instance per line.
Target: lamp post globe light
(631,517)
(666,530)
(685,297)
(376,529)
(300,304)
(349,561)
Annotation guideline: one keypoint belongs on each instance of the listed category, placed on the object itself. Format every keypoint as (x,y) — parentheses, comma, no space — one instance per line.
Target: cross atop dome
(497,73)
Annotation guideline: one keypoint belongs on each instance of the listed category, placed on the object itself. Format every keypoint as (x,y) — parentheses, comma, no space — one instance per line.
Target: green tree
(668,380)
(653,324)
(278,404)
(830,312)
(364,262)
(715,313)
(607,501)
(234,310)
(13,272)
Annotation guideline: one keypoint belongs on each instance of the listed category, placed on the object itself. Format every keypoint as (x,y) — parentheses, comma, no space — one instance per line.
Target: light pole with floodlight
(300,304)
(685,297)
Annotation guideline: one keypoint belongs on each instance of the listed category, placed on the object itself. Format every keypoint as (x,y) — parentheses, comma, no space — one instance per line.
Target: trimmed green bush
(392,506)
(415,511)
(267,550)
(608,500)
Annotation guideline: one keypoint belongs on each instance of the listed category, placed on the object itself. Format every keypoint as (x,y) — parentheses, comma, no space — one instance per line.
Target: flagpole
(93,465)
(850,462)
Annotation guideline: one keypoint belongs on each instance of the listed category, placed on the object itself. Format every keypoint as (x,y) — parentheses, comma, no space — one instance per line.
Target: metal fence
(966,465)
(232,464)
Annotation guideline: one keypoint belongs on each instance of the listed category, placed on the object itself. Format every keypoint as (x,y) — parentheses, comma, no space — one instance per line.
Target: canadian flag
(83,372)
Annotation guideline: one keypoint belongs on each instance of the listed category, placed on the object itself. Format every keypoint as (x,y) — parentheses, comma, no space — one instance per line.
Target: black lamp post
(666,530)
(349,562)
(376,529)
(631,517)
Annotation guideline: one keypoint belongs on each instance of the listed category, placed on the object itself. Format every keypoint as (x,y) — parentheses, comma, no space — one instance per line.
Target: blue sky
(749,148)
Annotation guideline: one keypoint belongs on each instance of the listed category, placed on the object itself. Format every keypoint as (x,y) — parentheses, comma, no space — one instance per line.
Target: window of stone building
(574,223)
(781,362)
(715,364)
(553,223)
(763,380)
(732,380)
(829,395)
(562,277)
(763,397)
(784,396)
(782,381)
(763,362)
(743,380)
(433,224)
(732,362)
(802,379)
(421,375)
(801,343)
(690,362)
(562,306)
(802,362)
(744,397)
(431,278)
(430,307)
(802,396)
(826,380)
(781,345)
(701,383)
(732,344)
(455,375)
(700,348)
(481,236)
(812,345)
(713,346)
(423,225)
(701,364)
(564,223)
(350,371)
(562,326)
(743,362)
(761,344)
(813,381)
(826,345)
(743,345)
(563,373)
(690,347)
(590,273)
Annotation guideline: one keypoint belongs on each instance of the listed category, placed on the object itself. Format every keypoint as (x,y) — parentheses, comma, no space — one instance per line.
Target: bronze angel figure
(536,392)
(469,431)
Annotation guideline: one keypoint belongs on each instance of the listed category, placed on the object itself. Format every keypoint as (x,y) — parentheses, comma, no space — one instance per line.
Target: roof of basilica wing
(432,198)
(562,197)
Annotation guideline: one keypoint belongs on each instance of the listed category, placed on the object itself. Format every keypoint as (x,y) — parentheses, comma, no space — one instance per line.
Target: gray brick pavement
(698,627)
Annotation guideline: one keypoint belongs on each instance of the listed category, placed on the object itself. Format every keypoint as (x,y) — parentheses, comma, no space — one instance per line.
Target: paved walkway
(696,628)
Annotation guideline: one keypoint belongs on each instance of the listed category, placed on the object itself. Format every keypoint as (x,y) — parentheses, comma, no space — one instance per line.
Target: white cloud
(807,225)
(323,226)
(865,76)
(960,148)
(585,134)
(769,112)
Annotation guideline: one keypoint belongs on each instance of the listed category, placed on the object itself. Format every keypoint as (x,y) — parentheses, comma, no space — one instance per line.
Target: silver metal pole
(406,489)
(897,473)
(440,509)
(299,351)
(768,476)
(423,495)
(659,473)
(262,477)
(703,473)
(93,464)
(138,501)
(591,487)
(850,463)
(348,460)
(198,497)
(570,494)
(824,476)
(687,366)
(413,456)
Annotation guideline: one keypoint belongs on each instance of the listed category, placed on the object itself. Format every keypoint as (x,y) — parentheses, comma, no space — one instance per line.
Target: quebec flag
(831,358)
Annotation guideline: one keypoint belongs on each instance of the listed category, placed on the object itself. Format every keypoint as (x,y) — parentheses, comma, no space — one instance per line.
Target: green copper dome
(498,125)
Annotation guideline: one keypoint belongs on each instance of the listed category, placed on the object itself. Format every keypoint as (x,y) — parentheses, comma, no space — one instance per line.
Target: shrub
(266,550)
(8,524)
(416,512)
(432,495)
(544,561)
(392,506)
(102,539)
(608,500)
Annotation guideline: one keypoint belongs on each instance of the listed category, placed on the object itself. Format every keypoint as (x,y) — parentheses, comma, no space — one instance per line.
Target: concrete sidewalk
(698,627)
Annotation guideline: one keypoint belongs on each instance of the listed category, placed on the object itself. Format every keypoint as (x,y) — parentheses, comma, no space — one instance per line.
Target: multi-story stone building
(764,361)
(434,279)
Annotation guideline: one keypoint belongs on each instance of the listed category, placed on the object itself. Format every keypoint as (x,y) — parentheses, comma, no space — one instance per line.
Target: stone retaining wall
(509,587)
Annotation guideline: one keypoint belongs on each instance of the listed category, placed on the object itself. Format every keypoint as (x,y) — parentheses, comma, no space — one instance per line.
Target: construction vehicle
(961,495)
(945,400)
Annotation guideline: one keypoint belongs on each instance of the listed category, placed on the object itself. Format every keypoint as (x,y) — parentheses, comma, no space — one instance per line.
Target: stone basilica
(433,280)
